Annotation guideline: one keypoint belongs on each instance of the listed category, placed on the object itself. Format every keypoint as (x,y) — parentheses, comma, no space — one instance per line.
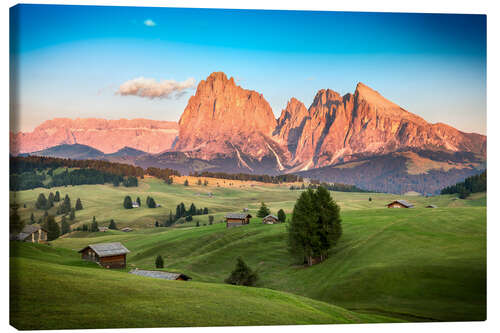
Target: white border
(423,6)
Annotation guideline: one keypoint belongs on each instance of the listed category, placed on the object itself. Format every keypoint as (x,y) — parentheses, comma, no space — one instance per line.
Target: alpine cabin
(237,219)
(108,255)
(270,219)
(32,234)
(399,204)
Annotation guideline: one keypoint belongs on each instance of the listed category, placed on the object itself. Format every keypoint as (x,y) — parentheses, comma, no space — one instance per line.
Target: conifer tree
(159,262)
(263,210)
(94,227)
(65,228)
(50,200)
(32,218)
(281,216)
(57,197)
(78,205)
(242,274)
(41,202)
(138,200)
(16,224)
(127,202)
(186,183)
(72,214)
(53,230)
(210,219)
(112,225)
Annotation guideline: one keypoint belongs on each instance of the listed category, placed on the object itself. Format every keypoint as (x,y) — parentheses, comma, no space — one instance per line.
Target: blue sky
(70,61)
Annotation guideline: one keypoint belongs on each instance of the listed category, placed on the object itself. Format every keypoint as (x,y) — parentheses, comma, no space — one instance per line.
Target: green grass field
(408,264)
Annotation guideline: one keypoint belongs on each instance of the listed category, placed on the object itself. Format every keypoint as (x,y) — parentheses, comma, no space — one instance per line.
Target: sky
(140,62)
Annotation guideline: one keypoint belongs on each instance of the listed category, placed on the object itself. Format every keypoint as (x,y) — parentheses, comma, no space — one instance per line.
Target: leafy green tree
(242,275)
(65,228)
(72,214)
(112,225)
(210,219)
(16,224)
(53,230)
(41,202)
(315,225)
(159,262)
(127,202)
(57,197)
(263,210)
(78,205)
(281,216)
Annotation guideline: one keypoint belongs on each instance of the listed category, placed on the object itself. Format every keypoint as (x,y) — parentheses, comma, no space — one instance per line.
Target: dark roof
(402,202)
(160,274)
(240,216)
(272,216)
(27,231)
(107,249)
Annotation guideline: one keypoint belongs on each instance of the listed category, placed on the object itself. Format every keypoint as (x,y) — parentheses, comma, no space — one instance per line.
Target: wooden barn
(161,275)
(400,204)
(270,219)
(108,255)
(32,234)
(237,219)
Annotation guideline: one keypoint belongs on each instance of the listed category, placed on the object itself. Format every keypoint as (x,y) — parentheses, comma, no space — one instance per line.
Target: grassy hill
(61,292)
(413,264)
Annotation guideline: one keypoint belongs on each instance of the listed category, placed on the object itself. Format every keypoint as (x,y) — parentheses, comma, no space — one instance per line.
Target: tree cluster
(287,178)
(315,226)
(472,184)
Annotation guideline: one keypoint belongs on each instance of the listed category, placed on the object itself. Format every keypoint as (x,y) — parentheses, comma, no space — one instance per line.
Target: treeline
(28,172)
(472,184)
(287,178)
(339,187)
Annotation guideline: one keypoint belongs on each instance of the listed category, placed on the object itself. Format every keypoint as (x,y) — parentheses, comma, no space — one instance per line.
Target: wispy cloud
(150,88)
(149,23)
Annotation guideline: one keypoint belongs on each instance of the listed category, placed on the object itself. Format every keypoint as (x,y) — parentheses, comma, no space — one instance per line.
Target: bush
(242,275)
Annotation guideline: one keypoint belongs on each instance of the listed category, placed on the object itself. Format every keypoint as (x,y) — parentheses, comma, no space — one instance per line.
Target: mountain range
(225,127)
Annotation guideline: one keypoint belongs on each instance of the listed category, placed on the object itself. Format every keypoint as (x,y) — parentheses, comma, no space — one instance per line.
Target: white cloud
(150,23)
(150,88)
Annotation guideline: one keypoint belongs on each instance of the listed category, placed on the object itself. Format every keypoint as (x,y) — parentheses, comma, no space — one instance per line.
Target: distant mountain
(75,151)
(108,136)
(354,139)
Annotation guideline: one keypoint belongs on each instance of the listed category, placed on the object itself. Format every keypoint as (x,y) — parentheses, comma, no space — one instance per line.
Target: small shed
(135,204)
(270,219)
(126,229)
(103,229)
(431,206)
(237,219)
(32,234)
(108,255)
(161,275)
(400,204)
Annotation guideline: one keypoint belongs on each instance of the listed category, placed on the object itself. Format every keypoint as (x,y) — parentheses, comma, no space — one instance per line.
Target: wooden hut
(399,204)
(237,219)
(270,219)
(108,255)
(32,234)
(161,275)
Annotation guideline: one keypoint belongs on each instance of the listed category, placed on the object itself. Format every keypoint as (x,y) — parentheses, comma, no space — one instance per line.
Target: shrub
(242,275)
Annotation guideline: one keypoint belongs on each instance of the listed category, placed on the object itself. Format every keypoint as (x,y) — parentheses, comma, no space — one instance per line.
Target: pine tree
(65,228)
(32,218)
(186,183)
(157,224)
(159,262)
(72,214)
(65,206)
(150,202)
(94,227)
(112,225)
(192,209)
(50,200)
(78,205)
(210,219)
(53,230)
(205,183)
(197,223)
(263,211)
(138,200)
(205,211)
(281,216)
(16,224)
(41,202)
(199,182)
(127,202)
(242,275)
